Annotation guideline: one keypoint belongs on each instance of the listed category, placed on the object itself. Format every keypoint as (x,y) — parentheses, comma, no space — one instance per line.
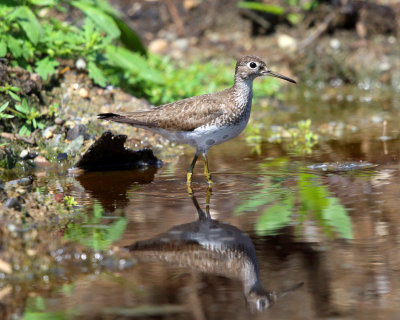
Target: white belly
(204,137)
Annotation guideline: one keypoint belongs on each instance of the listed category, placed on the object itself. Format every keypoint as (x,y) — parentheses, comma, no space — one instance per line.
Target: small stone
(41,161)
(181,44)
(287,42)
(158,46)
(5,266)
(76,131)
(74,147)
(59,197)
(59,121)
(84,93)
(12,203)
(62,156)
(25,181)
(48,132)
(190,4)
(335,44)
(80,64)
(24,153)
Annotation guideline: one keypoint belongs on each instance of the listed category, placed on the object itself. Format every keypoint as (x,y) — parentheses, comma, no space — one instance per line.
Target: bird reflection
(212,247)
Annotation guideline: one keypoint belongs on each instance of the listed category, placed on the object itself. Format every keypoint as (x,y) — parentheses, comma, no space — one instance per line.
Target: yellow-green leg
(190,170)
(208,198)
(206,170)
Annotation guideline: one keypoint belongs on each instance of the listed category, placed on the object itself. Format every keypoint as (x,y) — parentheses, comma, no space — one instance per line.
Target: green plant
(30,116)
(4,115)
(11,91)
(308,199)
(36,43)
(94,231)
(70,201)
(294,14)
(303,138)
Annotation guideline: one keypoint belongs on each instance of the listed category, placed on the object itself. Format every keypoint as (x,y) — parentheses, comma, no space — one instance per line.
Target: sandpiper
(206,120)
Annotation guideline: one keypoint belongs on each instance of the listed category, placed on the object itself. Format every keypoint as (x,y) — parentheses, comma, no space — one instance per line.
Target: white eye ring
(252,64)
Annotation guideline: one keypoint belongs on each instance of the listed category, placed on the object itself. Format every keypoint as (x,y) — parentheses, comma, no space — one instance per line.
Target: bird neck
(243,91)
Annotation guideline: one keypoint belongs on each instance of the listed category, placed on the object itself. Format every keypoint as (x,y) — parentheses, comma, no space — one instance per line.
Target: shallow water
(336,231)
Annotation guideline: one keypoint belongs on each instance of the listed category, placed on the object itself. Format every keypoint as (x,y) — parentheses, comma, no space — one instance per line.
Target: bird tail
(128,118)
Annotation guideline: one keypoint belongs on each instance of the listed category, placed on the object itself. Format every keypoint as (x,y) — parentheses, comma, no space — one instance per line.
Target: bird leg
(190,170)
(208,197)
(206,171)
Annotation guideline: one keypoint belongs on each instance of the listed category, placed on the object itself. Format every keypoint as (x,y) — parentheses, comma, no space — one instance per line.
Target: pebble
(76,131)
(84,93)
(12,203)
(181,44)
(41,161)
(80,64)
(59,121)
(287,42)
(74,146)
(49,132)
(158,46)
(62,156)
(24,153)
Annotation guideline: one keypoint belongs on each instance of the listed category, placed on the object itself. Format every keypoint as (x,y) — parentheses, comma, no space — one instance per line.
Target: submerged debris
(342,166)
(109,153)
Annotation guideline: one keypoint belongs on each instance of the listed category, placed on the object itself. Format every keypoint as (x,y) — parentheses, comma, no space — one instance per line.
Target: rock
(59,121)
(76,131)
(12,203)
(84,93)
(25,181)
(80,64)
(74,147)
(24,153)
(181,44)
(1,184)
(287,42)
(335,44)
(41,161)
(49,132)
(62,156)
(190,4)
(108,153)
(158,46)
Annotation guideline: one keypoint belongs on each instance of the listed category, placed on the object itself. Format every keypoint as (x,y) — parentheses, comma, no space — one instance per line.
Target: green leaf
(129,37)
(96,74)
(14,45)
(25,130)
(335,215)
(133,62)
(275,217)
(22,107)
(46,67)
(43,2)
(4,106)
(29,23)
(3,48)
(295,18)
(277,10)
(103,21)
(14,96)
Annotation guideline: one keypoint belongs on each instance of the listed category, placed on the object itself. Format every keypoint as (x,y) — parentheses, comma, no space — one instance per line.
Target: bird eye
(252,65)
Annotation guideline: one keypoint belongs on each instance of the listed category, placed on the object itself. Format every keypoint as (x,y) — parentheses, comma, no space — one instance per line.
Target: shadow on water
(110,187)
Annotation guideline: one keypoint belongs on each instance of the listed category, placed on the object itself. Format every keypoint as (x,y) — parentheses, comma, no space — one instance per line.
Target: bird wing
(186,114)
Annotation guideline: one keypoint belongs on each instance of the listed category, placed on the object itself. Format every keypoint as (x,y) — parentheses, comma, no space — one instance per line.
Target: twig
(320,29)
(175,17)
